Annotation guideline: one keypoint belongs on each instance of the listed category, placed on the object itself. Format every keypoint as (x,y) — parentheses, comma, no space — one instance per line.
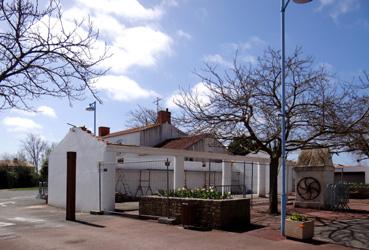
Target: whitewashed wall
(128,139)
(89,153)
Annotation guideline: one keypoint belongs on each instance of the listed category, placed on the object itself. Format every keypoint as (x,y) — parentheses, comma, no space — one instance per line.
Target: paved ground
(345,228)
(26,223)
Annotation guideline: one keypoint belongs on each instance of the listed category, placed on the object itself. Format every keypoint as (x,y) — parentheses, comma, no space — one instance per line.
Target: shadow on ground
(351,233)
(89,223)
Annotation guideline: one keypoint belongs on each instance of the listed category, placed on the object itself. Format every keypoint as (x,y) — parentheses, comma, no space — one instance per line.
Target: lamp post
(92,107)
(284,5)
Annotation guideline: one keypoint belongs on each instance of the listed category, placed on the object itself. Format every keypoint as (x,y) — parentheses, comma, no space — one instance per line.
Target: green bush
(200,193)
(44,170)
(298,217)
(17,177)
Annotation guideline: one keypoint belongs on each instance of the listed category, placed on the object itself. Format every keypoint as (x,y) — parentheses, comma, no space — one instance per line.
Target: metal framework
(337,197)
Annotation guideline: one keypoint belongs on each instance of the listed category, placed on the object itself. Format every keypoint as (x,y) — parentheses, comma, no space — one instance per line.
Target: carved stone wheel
(308,188)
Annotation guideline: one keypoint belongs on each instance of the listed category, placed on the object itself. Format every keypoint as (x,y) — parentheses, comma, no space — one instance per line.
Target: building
(135,162)
(351,174)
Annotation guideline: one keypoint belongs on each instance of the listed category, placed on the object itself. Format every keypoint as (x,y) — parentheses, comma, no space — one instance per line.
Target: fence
(337,196)
(42,190)
(145,177)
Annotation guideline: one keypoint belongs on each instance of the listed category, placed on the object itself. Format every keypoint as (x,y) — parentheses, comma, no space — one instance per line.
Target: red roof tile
(184,142)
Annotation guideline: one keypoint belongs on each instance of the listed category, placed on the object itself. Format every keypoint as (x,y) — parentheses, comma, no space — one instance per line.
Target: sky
(157,45)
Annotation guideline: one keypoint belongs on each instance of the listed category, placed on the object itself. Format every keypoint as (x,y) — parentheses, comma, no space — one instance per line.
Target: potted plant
(299,227)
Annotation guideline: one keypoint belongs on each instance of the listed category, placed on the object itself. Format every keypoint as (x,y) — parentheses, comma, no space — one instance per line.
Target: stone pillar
(178,181)
(261,179)
(226,177)
(107,179)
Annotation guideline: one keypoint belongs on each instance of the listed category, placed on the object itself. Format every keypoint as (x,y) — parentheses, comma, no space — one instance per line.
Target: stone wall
(221,214)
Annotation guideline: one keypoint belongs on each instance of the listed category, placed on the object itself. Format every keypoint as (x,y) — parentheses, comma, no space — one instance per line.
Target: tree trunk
(273,186)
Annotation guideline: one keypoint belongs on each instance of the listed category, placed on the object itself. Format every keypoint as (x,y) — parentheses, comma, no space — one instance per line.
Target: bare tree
(35,148)
(141,116)
(42,53)
(246,102)
(19,156)
(357,141)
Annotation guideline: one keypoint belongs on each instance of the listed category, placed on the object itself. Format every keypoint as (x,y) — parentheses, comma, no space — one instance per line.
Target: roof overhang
(259,157)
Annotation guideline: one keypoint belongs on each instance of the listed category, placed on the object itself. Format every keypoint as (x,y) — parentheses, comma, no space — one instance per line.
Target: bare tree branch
(34,148)
(41,53)
(246,102)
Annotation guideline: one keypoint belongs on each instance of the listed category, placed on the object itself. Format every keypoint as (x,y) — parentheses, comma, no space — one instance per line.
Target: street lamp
(284,5)
(92,107)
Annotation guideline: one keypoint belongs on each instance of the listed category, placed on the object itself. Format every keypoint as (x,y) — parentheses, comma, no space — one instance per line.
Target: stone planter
(207,213)
(302,230)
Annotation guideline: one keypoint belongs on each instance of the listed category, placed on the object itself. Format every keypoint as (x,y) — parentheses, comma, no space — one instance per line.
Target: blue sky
(157,45)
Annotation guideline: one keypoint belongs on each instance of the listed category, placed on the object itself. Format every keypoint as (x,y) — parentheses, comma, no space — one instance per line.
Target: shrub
(298,217)
(17,177)
(200,193)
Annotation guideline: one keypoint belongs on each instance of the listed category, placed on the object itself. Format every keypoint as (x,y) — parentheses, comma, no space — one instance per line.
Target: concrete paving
(351,233)
(27,223)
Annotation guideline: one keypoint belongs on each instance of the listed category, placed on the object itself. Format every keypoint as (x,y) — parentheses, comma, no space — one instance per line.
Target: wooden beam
(261,158)
(71,186)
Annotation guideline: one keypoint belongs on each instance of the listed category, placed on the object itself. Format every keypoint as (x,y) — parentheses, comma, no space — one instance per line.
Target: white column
(366,175)
(107,182)
(226,176)
(261,179)
(178,181)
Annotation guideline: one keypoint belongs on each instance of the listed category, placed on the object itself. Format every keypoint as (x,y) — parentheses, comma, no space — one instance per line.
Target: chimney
(163,117)
(104,131)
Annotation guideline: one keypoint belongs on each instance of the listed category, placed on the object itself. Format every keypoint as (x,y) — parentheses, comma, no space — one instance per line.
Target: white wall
(89,153)
(364,169)
(128,139)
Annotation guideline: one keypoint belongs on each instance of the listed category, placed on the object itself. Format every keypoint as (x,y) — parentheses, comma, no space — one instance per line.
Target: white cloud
(137,46)
(217,59)
(249,59)
(19,124)
(199,90)
(132,34)
(130,9)
(337,8)
(324,3)
(182,34)
(47,111)
(41,110)
(140,44)
(122,88)
(251,43)
(22,112)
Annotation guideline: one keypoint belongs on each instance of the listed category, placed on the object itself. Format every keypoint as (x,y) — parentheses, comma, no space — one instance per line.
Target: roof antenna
(157,103)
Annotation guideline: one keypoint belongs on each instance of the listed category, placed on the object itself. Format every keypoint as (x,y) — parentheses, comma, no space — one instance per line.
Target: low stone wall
(220,214)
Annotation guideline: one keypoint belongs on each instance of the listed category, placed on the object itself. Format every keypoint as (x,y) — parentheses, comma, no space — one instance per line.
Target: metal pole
(167,163)
(244,180)
(209,174)
(94,117)
(283,121)
(99,186)
(342,175)
(252,178)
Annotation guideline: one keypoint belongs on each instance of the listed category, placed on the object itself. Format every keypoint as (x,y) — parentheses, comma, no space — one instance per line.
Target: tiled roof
(183,142)
(131,130)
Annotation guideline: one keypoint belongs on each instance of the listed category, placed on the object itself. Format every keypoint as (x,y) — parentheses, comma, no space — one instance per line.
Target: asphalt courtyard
(27,223)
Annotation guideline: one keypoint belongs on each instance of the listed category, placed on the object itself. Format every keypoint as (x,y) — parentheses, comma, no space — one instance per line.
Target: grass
(23,189)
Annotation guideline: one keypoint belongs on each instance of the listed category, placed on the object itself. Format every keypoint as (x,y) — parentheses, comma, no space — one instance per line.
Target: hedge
(17,177)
